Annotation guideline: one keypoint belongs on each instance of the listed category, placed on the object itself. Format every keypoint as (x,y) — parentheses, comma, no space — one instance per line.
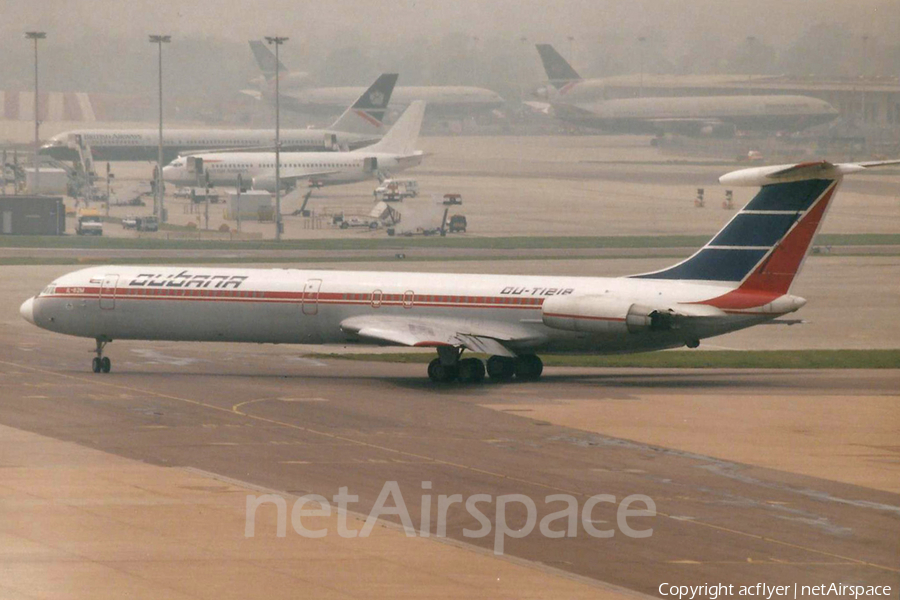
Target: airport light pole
(277,41)
(750,41)
(36,35)
(159,40)
(865,43)
(641,41)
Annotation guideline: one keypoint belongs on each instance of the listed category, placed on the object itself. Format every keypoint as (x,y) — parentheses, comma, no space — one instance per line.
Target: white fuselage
(143,144)
(443,101)
(687,114)
(258,168)
(302,306)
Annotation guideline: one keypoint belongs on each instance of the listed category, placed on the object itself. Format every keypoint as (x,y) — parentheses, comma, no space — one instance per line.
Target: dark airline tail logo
(367,113)
(559,71)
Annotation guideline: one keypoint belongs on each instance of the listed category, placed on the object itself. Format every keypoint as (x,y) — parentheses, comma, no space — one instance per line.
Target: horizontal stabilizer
(760,176)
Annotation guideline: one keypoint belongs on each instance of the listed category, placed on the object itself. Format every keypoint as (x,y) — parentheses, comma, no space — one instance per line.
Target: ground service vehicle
(89,222)
(456,224)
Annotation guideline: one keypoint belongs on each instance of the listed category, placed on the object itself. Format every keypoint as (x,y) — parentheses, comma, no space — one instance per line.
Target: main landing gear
(449,367)
(101,364)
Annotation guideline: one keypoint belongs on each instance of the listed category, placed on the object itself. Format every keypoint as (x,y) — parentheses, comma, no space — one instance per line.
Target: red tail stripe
(773,277)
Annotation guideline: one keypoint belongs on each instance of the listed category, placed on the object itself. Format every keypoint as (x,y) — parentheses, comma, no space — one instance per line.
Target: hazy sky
(245,19)
(101,45)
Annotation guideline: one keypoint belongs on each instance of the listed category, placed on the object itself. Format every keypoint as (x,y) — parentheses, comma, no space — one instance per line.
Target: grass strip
(701,359)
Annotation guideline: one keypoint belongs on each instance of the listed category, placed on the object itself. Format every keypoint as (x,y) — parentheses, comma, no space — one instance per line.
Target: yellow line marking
(234,410)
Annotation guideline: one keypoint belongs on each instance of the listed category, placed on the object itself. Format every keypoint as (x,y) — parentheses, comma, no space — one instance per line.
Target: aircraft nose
(27,310)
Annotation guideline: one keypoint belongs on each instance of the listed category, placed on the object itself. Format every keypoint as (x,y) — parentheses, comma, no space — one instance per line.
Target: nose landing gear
(100,363)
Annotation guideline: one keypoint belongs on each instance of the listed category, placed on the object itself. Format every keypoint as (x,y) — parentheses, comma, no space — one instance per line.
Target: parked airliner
(740,278)
(394,152)
(299,95)
(362,124)
(579,101)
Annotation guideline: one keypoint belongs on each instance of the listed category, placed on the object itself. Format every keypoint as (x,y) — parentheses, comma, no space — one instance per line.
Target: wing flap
(487,338)
(293,178)
(483,345)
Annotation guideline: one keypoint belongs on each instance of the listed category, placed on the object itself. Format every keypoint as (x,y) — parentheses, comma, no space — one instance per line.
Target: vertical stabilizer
(366,116)
(266,60)
(401,138)
(559,71)
(758,254)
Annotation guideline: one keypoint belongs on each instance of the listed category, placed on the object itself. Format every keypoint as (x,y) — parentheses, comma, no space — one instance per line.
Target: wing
(476,336)
(690,125)
(293,177)
(255,94)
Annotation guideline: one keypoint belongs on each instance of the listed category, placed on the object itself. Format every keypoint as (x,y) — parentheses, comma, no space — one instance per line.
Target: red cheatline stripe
(566,88)
(230,295)
(368,118)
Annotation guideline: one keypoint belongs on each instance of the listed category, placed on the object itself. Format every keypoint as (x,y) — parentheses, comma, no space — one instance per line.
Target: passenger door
(311,296)
(108,292)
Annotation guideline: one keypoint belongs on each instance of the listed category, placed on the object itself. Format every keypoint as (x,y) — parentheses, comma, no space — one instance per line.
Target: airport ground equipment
(89,222)
(457,224)
(148,223)
(395,190)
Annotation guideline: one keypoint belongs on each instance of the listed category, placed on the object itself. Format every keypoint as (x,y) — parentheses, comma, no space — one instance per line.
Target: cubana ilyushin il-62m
(742,277)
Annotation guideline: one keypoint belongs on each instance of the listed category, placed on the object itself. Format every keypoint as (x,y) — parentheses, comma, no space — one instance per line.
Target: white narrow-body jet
(395,152)
(362,124)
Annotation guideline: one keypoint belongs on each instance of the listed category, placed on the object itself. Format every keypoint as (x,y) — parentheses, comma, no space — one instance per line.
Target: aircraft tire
(441,373)
(105,364)
(529,367)
(95,365)
(471,370)
(501,368)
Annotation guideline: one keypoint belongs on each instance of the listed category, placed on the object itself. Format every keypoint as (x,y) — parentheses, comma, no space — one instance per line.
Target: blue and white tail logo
(366,116)
(777,225)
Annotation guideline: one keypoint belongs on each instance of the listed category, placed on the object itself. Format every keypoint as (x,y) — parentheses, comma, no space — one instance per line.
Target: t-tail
(560,73)
(366,116)
(758,254)
(402,137)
